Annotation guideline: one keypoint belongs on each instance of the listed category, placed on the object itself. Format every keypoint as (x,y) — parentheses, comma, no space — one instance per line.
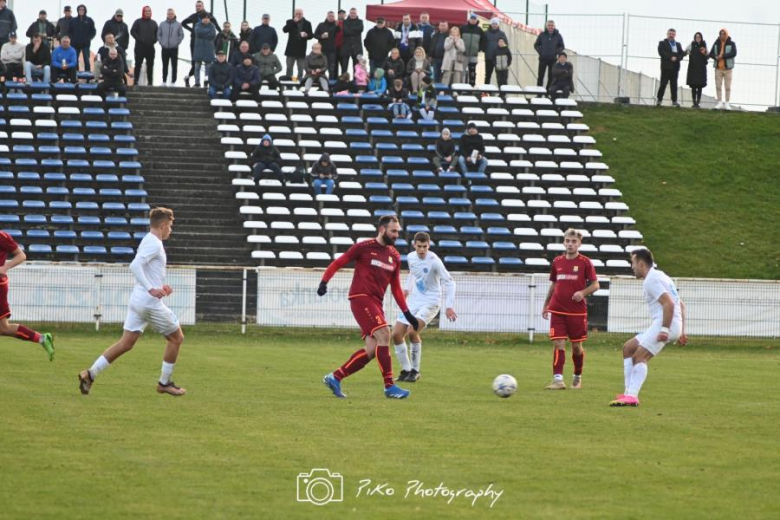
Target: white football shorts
(648,340)
(423,312)
(158,315)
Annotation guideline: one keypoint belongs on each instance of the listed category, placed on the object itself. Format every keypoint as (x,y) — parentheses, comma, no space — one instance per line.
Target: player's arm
(550,291)
(137,268)
(667,304)
(18,257)
(398,294)
(592,287)
(449,292)
(683,337)
(409,284)
(333,268)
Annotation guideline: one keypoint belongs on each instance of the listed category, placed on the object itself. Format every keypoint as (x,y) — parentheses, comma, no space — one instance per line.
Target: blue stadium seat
(483,260)
(54,177)
(417,228)
(9,219)
(380,199)
(429,188)
(455,260)
(95,250)
(397,174)
(64,249)
(434,201)
(64,234)
(510,262)
(371,172)
(34,204)
(61,205)
(39,248)
(62,219)
(87,205)
(504,246)
(8,204)
(119,235)
(357,145)
(37,233)
(92,235)
(122,251)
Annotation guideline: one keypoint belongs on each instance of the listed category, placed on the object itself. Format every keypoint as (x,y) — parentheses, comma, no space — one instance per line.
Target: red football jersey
(570,276)
(7,246)
(375,267)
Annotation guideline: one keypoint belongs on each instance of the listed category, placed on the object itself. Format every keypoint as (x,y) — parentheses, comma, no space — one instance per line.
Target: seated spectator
(472,150)
(37,59)
(247,80)
(268,66)
(221,75)
(503,62)
(397,95)
(64,64)
(378,84)
(562,78)
(426,99)
(12,56)
(445,152)
(316,67)
(102,54)
(324,174)
(113,72)
(266,157)
(418,68)
(237,58)
(344,85)
(394,66)
(361,74)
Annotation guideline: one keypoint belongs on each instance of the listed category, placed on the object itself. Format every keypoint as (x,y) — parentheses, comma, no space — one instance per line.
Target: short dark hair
(644,255)
(563,54)
(386,221)
(422,237)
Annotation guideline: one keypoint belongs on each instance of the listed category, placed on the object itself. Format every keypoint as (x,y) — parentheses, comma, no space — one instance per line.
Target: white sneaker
(727,106)
(719,105)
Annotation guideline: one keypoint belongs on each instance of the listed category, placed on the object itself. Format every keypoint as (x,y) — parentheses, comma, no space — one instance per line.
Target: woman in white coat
(454,62)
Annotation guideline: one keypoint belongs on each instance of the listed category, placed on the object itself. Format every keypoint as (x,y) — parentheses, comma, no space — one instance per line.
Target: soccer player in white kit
(667,312)
(427,275)
(146,307)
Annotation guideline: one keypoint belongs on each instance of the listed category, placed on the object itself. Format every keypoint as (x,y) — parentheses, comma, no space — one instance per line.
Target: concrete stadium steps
(180,150)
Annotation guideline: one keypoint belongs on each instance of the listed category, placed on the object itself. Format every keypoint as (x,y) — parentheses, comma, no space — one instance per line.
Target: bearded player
(573,278)
(377,265)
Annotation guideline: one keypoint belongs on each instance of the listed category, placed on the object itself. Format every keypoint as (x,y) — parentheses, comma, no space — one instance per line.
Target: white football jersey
(426,278)
(657,283)
(152,260)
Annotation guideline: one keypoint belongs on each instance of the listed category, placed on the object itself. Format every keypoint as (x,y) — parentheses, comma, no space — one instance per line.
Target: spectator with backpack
(266,156)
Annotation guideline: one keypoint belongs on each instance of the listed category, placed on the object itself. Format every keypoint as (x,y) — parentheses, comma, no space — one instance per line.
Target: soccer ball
(504,385)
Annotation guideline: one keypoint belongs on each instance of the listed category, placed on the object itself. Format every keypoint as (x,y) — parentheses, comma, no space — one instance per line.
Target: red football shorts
(5,310)
(571,326)
(369,314)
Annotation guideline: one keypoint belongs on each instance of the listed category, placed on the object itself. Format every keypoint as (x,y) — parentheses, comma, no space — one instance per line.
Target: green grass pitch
(703,444)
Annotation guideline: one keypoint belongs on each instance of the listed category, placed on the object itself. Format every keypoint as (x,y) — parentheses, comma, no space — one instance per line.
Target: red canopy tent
(453,11)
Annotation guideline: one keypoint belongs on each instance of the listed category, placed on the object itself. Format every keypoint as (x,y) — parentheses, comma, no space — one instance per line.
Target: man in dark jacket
(266,157)
(37,58)
(353,39)
(7,23)
(81,30)
(340,17)
(436,51)
(238,57)
(247,80)
(268,66)
(144,31)
(42,26)
(226,41)
(549,45)
(113,72)
(221,75)
(64,22)
(491,47)
(300,32)
(102,55)
(427,30)
(326,34)
(407,40)
(324,173)
(472,150)
(671,53)
(263,34)
(189,24)
(378,42)
(474,38)
(118,28)
(562,75)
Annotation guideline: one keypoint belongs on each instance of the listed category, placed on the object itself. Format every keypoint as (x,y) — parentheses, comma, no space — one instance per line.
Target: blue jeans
(400,109)
(213,92)
(198,65)
(85,53)
(481,165)
(319,183)
(30,71)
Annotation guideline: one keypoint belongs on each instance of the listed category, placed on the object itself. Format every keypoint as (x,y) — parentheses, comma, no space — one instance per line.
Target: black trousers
(67,74)
(104,87)
(544,66)
(490,65)
(696,94)
(668,76)
(254,91)
(172,56)
(333,66)
(472,74)
(502,76)
(141,54)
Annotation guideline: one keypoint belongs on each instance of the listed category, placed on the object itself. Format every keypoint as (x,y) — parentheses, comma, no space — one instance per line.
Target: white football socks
(416,355)
(167,371)
(100,364)
(402,353)
(638,376)
(628,366)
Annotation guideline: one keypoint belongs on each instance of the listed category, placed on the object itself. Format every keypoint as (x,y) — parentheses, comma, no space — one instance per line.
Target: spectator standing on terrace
(7,23)
(64,23)
(379,41)
(427,30)
(454,61)
(549,45)
(436,50)
(263,34)
(474,39)
(117,26)
(342,15)
(189,24)
(491,47)
(503,62)
(42,26)
(144,31)
(325,33)
(300,32)
(82,31)
(205,34)
(697,67)
(406,38)
(245,32)
(353,38)
(723,53)
(671,53)
(170,34)
(227,41)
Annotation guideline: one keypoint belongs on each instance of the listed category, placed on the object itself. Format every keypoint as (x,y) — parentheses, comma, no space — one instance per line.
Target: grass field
(702,445)
(702,185)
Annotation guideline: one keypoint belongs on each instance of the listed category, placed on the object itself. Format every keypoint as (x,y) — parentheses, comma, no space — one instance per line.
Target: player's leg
(635,359)
(401,350)
(416,346)
(640,359)
(360,358)
(558,336)
(15,330)
(385,361)
(578,330)
(111,354)
(166,385)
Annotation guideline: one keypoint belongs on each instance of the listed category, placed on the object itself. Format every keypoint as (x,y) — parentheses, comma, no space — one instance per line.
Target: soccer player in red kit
(377,265)
(9,247)
(573,279)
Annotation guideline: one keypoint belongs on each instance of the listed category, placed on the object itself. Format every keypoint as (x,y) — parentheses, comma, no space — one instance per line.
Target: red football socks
(26,334)
(385,364)
(559,359)
(353,364)
(579,361)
